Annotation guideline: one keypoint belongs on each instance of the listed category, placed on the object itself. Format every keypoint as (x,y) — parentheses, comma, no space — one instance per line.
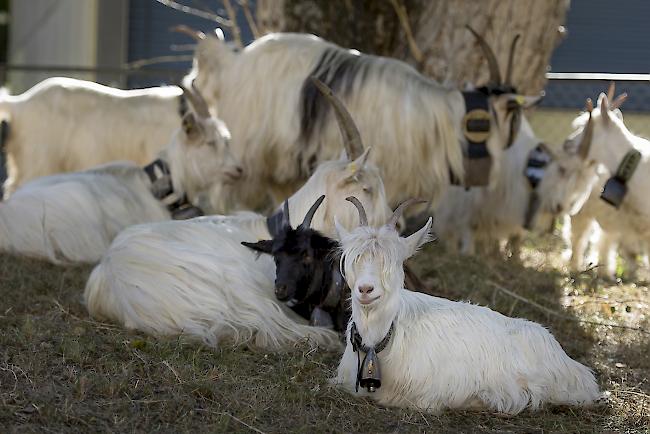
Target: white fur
(446,354)
(195,277)
(630,224)
(492,216)
(67,125)
(73,217)
(413,122)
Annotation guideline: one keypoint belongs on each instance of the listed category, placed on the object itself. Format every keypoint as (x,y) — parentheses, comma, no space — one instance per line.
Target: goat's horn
(349,130)
(511,59)
(619,101)
(611,92)
(198,104)
(363,217)
(306,223)
(194,34)
(392,222)
(285,214)
(585,144)
(203,109)
(495,75)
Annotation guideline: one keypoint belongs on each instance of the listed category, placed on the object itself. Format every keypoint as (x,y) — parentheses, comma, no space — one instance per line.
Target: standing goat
(535,181)
(67,125)
(606,140)
(196,278)
(418,127)
(431,353)
(73,217)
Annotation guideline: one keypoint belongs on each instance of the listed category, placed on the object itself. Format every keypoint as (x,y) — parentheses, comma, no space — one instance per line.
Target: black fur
(337,68)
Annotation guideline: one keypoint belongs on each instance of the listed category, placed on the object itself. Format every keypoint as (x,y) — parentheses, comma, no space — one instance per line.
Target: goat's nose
(366,289)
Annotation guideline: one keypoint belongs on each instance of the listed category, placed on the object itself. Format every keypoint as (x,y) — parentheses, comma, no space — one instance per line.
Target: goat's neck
(373,324)
(610,152)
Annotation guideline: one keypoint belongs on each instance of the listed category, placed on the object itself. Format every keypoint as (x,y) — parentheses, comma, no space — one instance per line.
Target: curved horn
(618,102)
(611,92)
(363,217)
(195,102)
(194,34)
(306,223)
(585,144)
(511,58)
(286,221)
(495,75)
(392,222)
(203,109)
(349,130)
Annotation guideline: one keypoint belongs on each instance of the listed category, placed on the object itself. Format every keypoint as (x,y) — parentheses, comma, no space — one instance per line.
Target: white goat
(438,353)
(196,278)
(414,123)
(67,125)
(73,217)
(606,140)
(492,216)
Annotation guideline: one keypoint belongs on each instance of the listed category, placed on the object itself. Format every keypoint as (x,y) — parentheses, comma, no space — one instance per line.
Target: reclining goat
(195,277)
(73,217)
(431,353)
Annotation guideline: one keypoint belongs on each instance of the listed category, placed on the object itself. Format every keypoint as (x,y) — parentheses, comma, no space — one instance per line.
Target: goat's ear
(262,246)
(191,126)
(603,105)
(418,239)
(340,230)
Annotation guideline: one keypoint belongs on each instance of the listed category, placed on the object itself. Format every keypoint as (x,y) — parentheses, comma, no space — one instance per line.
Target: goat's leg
(607,249)
(580,231)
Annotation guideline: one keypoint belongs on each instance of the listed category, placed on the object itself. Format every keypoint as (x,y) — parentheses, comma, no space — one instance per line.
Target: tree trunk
(450,53)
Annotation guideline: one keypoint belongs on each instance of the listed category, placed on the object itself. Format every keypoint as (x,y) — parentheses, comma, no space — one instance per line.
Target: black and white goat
(67,125)
(431,353)
(73,217)
(195,277)
(418,127)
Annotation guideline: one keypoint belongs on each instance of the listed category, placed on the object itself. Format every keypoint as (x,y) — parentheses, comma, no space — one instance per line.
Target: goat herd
(329,258)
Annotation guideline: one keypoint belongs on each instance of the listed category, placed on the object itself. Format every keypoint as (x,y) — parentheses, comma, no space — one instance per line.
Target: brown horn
(194,34)
(306,223)
(392,222)
(349,130)
(618,102)
(585,144)
(495,75)
(611,92)
(203,109)
(363,217)
(195,102)
(511,58)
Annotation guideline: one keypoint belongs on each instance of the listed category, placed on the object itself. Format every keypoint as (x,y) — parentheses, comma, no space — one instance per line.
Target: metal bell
(370,374)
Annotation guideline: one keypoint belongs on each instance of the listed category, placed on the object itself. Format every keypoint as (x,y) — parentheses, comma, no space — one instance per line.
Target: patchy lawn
(62,371)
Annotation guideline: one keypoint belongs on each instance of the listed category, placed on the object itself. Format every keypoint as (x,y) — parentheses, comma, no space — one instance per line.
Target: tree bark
(450,53)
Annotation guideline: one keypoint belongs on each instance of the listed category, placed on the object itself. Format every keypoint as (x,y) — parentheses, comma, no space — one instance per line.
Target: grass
(60,371)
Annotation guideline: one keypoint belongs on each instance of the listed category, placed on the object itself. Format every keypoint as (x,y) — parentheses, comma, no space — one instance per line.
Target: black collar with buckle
(163,190)
(368,372)
(615,188)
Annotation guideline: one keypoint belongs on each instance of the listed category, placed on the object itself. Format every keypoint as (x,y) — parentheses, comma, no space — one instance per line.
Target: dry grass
(61,371)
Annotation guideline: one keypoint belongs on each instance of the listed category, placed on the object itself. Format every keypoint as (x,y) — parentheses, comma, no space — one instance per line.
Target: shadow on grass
(61,371)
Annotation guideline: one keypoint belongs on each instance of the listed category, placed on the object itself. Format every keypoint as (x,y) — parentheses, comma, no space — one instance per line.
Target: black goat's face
(300,257)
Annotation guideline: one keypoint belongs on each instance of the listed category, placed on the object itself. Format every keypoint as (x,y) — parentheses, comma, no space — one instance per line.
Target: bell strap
(357,341)
(162,189)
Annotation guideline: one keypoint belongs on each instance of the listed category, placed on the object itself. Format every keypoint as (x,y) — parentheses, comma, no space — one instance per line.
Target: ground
(61,371)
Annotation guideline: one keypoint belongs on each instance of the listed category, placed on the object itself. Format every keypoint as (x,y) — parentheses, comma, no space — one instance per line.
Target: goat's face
(372,263)
(206,149)
(509,118)
(300,257)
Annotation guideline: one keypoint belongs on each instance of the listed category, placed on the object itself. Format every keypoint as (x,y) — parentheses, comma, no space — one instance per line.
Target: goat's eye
(367,190)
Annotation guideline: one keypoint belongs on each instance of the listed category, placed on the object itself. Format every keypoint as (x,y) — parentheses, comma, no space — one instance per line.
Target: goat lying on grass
(438,353)
(196,278)
(74,217)
(67,125)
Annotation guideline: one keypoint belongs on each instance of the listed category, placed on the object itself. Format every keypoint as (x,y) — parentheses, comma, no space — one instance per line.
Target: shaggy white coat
(492,216)
(413,122)
(73,217)
(630,224)
(67,125)
(195,277)
(446,354)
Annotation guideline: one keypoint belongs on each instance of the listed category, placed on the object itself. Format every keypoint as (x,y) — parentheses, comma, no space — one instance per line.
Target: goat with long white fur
(536,182)
(415,124)
(196,278)
(607,141)
(73,217)
(431,353)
